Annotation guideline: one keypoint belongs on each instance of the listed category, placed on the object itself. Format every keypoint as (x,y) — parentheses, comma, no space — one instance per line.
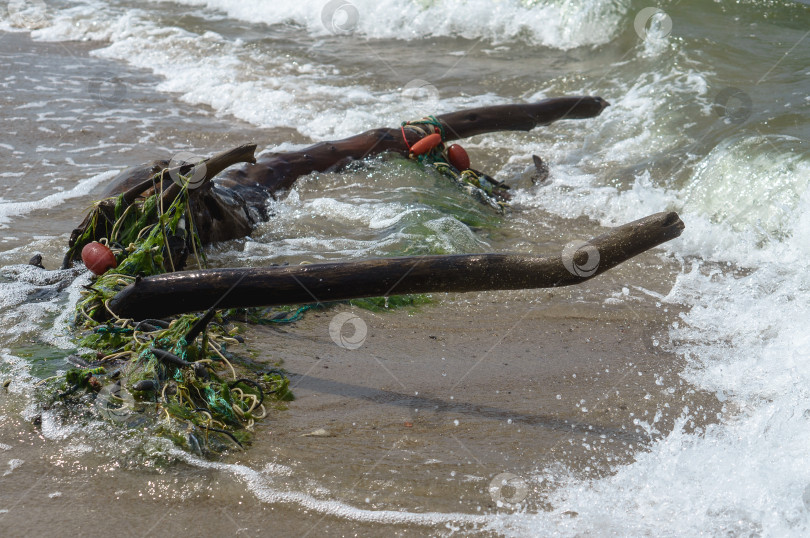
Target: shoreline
(535,345)
(403,422)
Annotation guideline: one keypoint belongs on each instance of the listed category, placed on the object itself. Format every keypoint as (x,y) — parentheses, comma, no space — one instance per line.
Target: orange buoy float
(458,157)
(98,258)
(426,144)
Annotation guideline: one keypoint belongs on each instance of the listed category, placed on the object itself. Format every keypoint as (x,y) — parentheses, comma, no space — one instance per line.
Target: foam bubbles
(750,182)
(557,24)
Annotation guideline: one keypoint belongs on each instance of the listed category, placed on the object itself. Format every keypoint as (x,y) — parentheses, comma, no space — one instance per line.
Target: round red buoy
(458,157)
(98,258)
(426,144)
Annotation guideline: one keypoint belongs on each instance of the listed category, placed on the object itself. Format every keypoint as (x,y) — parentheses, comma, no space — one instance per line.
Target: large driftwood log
(192,291)
(229,206)
(277,172)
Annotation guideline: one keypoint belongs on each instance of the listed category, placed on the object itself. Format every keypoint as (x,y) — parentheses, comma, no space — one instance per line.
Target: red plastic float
(426,144)
(98,258)
(458,157)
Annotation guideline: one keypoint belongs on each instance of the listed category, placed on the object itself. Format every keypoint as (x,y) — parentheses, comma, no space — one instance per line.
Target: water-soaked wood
(277,172)
(142,183)
(234,202)
(192,291)
(210,167)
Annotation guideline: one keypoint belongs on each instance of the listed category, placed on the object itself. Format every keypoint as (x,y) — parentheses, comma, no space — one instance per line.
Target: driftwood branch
(277,172)
(192,291)
(212,166)
(230,205)
(520,117)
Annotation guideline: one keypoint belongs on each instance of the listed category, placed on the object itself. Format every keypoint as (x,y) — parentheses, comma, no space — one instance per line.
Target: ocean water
(709,116)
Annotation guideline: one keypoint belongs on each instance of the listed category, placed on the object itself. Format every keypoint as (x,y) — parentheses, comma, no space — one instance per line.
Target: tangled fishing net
(477,184)
(177,374)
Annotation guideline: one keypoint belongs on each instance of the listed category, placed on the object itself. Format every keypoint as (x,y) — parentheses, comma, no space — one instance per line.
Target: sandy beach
(436,402)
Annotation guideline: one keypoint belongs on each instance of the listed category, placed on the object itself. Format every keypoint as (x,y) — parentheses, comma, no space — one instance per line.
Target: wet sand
(433,405)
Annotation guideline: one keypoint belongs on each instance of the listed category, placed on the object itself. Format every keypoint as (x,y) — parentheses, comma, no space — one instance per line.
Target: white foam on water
(261,485)
(58,334)
(309,226)
(451,235)
(18,369)
(30,295)
(746,289)
(15,209)
(316,248)
(257,86)
(373,216)
(557,24)
(12,465)
(269,90)
(55,429)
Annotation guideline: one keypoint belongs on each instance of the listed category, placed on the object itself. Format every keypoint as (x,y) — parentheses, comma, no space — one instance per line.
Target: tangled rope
(199,395)
(176,373)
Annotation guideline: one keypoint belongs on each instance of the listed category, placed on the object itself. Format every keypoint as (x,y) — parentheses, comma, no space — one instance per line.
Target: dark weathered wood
(230,205)
(192,291)
(277,172)
(520,117)
(213,166)
(141,182)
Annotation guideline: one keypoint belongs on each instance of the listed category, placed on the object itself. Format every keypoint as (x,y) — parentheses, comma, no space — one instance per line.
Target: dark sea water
(709,116)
